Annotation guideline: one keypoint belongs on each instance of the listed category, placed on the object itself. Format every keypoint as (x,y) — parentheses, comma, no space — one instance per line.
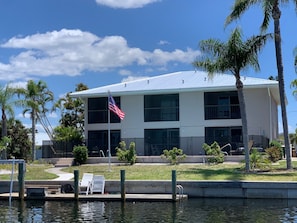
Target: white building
(182,109)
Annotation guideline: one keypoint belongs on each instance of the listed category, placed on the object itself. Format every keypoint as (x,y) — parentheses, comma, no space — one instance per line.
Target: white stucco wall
(261,114)
(259,110)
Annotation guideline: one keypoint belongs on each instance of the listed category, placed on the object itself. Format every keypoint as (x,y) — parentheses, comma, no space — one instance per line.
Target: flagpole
(114,108)
(109,154)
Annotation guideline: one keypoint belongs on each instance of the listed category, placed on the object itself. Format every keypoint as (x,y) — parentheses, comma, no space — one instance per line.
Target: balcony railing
(222,112)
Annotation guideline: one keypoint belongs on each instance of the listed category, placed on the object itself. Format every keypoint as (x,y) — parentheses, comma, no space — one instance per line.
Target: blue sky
(100,42)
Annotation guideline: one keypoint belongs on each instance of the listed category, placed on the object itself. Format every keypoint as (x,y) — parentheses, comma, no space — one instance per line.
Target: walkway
(62,175)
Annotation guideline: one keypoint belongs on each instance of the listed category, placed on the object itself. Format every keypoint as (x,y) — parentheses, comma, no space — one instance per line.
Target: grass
(33,172)
(163,172)
(189,172)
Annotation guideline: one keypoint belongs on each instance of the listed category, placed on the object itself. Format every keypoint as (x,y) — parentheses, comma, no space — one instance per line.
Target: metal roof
(179,82)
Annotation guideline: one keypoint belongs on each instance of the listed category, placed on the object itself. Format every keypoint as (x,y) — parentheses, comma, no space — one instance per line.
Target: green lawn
(163,172)
(33,172)
(189,172)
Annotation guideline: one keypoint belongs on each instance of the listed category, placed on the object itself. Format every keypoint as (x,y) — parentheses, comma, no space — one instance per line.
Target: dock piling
(173,182)
(123,190)
(76,180)
(21,178)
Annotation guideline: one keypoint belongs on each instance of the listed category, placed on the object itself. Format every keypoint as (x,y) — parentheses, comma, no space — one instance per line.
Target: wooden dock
(99,197)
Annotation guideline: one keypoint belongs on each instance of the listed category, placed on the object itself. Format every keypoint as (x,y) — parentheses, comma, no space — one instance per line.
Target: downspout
(270,114)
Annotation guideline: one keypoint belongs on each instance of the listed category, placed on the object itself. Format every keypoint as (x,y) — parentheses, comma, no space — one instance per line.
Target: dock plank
(103,197)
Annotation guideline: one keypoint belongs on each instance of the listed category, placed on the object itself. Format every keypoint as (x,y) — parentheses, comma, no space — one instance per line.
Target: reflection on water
(192,210)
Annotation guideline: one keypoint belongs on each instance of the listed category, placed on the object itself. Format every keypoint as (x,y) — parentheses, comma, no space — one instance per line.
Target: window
(98,110)
(156,140)
(224,135)
(98,142)
(161,108)
(221,105)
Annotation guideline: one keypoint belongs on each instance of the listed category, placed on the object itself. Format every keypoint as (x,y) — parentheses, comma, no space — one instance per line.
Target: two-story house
(182,109)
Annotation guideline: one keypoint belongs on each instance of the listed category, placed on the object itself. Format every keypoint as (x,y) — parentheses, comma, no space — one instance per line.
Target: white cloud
(52,115)
(125,72)
(20,84)
(163,57)
(70,52)
(133,78)
(125,4)
(24,116)
(163,42)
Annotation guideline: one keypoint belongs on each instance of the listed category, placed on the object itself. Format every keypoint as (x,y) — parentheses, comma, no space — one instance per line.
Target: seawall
(194,189)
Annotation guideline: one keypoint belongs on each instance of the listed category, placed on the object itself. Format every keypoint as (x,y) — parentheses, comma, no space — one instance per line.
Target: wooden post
(173,176)
(123,191)
(21,180)
(76,181)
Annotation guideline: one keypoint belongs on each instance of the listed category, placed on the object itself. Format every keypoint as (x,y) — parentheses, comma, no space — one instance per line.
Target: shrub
(273,154)
(174,155)
(275,151)
(258,160)
(214,150)
(80,154)
(127,155)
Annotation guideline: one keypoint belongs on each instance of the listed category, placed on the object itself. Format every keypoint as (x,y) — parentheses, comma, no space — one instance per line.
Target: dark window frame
(98,141)
(98,110)
(224,135)
(221,105)
(161,107)
(156,140)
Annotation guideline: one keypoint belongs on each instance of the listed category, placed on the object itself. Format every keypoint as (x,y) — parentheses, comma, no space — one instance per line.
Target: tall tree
(293,136)
(20,143)
(271,10)
(34,100)
(233,56)
(7,103)
(72,110)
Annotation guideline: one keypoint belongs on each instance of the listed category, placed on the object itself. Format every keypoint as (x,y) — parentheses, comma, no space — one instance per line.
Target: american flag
(113,107)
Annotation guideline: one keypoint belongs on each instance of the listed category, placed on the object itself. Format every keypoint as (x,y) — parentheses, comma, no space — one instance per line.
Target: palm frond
(239,7)
(267,8)
(233,56)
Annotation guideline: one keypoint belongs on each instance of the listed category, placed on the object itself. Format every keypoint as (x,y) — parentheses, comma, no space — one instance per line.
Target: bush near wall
(126,155)
(80,154)
(275,151)
(174,155)
(215,153)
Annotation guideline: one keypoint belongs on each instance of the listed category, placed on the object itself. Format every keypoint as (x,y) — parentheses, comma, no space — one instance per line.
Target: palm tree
(35,97)
(272,10)
(233,56)
(6,104)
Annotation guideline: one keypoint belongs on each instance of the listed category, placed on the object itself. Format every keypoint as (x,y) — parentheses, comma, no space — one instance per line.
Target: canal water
(191,210)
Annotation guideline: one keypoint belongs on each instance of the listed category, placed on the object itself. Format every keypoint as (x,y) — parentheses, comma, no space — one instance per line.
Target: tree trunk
(245,137)
(4,123)
(4,132)
(33,134)
(281,84)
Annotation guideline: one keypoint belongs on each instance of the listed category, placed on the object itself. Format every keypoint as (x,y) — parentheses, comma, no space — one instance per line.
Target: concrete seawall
(203,189)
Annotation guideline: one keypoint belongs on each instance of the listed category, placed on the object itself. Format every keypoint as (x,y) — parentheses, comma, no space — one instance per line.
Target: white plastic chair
(86,184)
(99,184)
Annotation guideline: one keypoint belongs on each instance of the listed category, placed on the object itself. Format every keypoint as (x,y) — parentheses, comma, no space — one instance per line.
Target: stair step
(64,162)
(62,165)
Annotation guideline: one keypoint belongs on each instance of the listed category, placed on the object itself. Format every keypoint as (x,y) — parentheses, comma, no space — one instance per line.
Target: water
(192,210)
